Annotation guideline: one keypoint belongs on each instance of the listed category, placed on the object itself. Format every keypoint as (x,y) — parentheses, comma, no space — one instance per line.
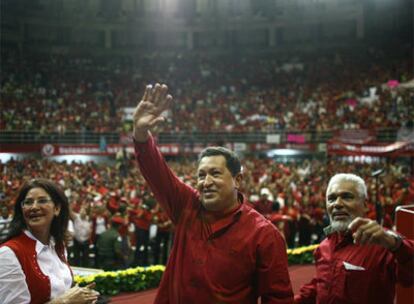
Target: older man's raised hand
(366,232)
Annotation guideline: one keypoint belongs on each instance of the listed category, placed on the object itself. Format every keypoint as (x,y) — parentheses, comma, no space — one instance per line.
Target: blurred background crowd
(212,92)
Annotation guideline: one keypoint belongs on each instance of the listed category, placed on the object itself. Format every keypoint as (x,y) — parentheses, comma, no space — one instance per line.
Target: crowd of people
(206,213)
(291,195)
(235,93)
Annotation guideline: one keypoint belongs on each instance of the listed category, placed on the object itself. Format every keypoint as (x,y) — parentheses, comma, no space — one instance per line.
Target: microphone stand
(378,206)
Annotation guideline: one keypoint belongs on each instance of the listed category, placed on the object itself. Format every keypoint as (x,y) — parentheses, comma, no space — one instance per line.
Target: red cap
(117,220)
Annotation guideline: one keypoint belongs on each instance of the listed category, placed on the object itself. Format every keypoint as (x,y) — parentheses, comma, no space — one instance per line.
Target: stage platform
(299,274)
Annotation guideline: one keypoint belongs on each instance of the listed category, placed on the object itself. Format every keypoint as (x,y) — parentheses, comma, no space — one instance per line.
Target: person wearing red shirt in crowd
(291,224)
(113,203)
(318,216)
(405,194)
(264,204)
(359,261)
(223,251)
(164,228)
(124,232)
(277,218)
(142,218)
(305,225)
(99,225)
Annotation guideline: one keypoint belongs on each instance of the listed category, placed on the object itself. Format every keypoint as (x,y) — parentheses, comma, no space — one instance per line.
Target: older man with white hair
(359,261)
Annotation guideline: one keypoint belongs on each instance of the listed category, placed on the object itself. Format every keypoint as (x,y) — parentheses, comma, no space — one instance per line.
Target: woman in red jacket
(34,266)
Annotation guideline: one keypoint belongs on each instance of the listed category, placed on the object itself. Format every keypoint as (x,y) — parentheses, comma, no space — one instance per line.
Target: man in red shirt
(142,218)
(265,203)
(162,239)
(224,251)
(359,261)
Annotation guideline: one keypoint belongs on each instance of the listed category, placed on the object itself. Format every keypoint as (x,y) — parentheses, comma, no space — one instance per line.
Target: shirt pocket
(357,285)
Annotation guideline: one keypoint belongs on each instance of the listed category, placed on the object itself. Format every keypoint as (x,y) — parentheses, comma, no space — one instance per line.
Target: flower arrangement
(301,255)
(141,278)
(128,280)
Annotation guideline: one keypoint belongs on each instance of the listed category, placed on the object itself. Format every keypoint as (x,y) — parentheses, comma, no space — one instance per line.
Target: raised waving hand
(148,111)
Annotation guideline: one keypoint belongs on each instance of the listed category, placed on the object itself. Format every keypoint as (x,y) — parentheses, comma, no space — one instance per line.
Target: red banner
(86,149)
(355,136)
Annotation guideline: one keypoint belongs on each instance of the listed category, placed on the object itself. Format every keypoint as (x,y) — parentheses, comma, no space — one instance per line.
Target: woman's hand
(78,295)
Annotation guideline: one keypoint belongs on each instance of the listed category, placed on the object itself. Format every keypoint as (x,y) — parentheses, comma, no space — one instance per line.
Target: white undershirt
(82,228)
(13,287)
(100,225)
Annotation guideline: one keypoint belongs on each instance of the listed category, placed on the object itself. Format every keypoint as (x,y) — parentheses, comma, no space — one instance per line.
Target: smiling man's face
(343,204)
(218,188)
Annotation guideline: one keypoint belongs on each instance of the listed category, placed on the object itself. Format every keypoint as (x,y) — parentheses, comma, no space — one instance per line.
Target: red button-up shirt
(235,260)
(349,273)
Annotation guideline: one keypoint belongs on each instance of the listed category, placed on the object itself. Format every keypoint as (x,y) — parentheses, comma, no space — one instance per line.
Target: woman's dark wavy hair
(59,225)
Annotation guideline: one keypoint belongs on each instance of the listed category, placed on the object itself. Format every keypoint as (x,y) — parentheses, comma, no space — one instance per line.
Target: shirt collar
(39,245)
(229,218)
(328,230)
(342,238)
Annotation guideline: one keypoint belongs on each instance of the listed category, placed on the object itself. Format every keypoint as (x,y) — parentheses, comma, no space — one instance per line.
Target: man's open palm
(148,111)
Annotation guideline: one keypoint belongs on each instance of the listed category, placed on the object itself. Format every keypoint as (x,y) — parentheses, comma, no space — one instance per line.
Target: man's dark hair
(275,206)
(59,225)
(232,160)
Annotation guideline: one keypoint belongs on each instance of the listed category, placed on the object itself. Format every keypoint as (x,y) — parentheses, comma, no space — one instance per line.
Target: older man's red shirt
(350,273)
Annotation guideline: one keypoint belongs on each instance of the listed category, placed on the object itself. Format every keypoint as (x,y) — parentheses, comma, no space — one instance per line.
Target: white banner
(128,113)
(273,138)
